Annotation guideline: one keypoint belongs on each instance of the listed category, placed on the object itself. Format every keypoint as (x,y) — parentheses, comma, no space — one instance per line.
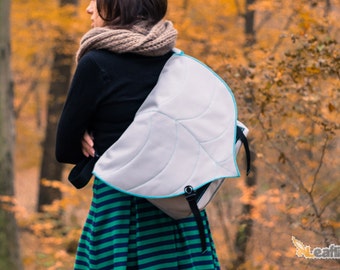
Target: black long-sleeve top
(106,91)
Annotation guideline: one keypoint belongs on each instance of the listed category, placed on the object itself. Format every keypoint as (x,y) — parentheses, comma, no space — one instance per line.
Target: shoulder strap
(190,196)
(240,136)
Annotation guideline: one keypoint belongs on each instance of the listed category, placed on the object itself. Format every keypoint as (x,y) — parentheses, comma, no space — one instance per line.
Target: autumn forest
(282,61)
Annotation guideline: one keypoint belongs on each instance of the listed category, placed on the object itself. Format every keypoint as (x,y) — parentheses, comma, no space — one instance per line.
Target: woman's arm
(79,109)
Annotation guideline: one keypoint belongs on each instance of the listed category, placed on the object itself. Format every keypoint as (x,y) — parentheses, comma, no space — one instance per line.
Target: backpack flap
(183,133)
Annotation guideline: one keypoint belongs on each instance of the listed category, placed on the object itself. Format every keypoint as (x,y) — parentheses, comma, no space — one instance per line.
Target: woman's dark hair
(124,13)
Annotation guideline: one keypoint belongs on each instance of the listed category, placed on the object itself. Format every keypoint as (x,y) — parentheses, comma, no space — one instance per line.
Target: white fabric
(184,133)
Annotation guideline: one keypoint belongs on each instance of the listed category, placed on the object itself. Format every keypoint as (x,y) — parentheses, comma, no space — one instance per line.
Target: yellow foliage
(7,199)
(333,223)
(247,195)
(40,229)
(304,221)
(64,188)
(264,5)
(293,131)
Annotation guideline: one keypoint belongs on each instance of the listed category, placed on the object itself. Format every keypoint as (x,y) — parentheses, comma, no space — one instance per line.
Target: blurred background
(282,61)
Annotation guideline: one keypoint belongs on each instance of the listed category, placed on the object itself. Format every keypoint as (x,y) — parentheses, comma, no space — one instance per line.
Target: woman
(118,64)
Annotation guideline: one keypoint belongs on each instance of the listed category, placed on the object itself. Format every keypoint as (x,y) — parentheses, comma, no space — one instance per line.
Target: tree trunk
(328,8)
(245,226)
(249,24)
(9,244)
(60,78)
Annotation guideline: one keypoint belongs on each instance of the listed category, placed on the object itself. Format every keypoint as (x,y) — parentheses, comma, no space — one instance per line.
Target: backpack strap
(240,136)
(190,196)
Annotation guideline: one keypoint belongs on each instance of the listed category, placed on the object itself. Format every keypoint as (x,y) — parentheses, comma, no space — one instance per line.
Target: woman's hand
(87,144)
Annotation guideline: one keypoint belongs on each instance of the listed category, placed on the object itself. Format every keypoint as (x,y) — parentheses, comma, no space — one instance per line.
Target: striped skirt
(125,232)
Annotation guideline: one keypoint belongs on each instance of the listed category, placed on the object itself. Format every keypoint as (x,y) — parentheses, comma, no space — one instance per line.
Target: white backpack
(182,143)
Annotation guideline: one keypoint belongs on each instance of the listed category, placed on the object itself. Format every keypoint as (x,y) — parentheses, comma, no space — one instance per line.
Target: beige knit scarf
(141,39)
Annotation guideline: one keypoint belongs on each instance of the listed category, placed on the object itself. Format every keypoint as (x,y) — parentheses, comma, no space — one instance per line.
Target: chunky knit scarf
(141,39)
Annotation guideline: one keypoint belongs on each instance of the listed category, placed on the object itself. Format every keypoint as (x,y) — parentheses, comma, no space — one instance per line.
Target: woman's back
(109,88)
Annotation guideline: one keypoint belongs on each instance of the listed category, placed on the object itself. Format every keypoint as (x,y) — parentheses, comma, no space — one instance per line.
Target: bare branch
(323,153)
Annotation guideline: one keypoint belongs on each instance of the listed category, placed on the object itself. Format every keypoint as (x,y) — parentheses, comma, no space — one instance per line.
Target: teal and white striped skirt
(125,232)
